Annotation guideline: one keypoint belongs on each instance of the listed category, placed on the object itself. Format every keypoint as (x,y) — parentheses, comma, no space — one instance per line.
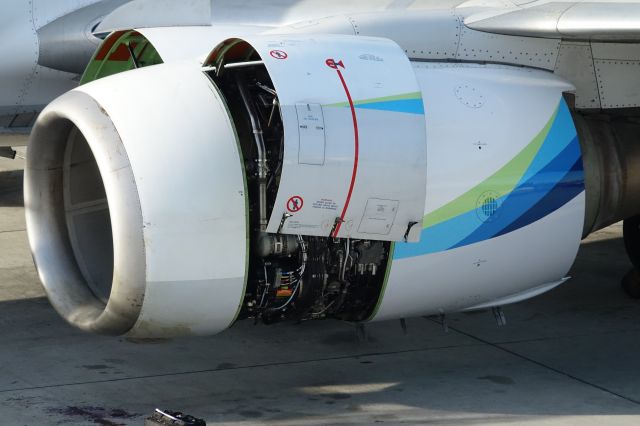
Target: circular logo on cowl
(488,206)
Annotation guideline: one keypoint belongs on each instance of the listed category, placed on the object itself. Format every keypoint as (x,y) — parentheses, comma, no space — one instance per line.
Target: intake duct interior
(66,202)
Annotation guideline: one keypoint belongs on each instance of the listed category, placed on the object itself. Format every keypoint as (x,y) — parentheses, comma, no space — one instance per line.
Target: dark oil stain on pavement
(499,380)
(96,415)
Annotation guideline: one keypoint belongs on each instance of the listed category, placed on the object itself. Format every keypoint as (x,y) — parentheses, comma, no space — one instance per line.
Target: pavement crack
(540,364)
(565,336)
(12,230)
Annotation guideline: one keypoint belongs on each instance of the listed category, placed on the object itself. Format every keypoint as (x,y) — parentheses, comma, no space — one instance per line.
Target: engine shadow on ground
(11,188)
(570,352)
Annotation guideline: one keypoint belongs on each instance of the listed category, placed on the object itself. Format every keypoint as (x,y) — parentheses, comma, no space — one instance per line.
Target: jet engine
(298,178)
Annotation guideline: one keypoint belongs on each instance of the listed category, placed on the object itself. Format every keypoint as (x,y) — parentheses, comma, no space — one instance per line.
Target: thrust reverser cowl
(135,200)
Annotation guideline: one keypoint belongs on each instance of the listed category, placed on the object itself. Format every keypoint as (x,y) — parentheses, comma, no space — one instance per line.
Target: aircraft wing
(10,137)
(595,21)
(156,13)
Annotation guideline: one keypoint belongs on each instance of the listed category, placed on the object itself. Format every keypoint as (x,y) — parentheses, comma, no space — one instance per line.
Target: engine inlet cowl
(135,204)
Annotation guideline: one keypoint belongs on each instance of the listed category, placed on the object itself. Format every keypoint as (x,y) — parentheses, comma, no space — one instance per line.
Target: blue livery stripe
(526,196)
(566,190)
(410,106)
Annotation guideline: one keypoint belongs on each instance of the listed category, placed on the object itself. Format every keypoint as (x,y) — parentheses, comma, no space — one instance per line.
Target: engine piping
(610,149)
(263,168)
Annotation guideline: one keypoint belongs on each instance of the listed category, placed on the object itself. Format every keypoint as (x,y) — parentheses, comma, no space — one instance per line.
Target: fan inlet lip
(85,237)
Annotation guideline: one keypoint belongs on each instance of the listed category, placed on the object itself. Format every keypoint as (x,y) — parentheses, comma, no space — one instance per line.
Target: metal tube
(243,64)
(262,158)
(136,64)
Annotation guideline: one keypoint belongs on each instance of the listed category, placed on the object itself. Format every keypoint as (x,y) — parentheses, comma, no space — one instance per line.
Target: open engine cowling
(297,178)
(353,130)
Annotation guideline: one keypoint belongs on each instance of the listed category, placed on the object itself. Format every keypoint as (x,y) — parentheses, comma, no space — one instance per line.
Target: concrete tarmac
(564,358)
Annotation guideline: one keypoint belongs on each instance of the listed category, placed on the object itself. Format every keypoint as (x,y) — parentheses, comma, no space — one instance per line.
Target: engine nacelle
(301,178)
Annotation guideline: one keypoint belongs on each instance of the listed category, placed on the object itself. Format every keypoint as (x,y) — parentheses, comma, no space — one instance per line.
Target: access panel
(354,162)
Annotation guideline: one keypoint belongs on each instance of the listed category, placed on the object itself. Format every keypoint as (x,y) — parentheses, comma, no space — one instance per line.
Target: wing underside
(598,44)
(595,21)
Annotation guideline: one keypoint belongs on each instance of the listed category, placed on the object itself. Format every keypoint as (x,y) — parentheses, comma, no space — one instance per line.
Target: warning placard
(295,203)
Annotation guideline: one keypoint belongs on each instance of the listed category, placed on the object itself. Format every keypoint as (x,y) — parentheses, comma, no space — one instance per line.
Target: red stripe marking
(355,158)
(107,45)
(121,54)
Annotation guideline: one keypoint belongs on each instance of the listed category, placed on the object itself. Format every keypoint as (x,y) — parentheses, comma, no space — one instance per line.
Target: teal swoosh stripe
(560,177)
(410,106)
(410,103)
(501,183)
(571,185)
(550,175)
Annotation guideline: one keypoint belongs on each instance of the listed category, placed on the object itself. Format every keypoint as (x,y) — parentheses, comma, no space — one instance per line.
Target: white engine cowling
(136,204)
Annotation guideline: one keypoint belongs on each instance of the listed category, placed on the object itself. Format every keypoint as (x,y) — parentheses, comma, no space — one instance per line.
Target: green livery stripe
(383,290)
(501,182)
(401,97)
